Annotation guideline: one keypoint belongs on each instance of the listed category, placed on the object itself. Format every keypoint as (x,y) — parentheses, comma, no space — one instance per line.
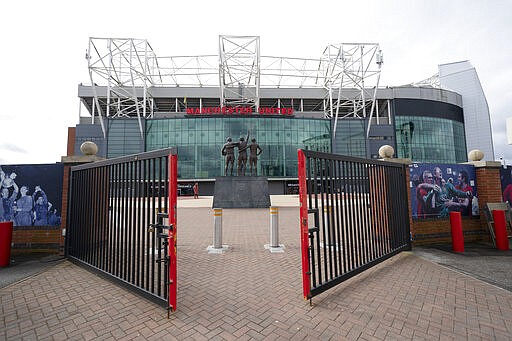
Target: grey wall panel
(124,137)
(382,130)
(90,132)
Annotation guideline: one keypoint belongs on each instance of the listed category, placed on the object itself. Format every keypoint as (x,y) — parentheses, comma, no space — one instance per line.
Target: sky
(43,44)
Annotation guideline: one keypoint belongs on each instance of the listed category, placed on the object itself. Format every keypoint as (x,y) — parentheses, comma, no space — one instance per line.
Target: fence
(114,225)
(359,211)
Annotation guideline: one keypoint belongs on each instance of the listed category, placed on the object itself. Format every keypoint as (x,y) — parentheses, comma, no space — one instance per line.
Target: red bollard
(457,235)
(5,243)
(500,230)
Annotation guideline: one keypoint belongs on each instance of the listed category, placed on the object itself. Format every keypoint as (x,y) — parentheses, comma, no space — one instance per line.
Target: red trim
(173,233)
(304,235)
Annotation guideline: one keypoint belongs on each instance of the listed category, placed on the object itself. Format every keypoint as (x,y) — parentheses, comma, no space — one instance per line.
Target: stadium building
(135,101)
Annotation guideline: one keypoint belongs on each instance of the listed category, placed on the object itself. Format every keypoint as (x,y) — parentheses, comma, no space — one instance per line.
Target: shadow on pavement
(481,261)
(26,265)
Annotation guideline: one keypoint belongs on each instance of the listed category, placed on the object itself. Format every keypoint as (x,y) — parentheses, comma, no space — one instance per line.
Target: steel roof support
(239,70)
(353,66)
(127,66)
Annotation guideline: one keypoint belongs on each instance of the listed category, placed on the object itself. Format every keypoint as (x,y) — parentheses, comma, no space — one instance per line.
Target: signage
(239,111)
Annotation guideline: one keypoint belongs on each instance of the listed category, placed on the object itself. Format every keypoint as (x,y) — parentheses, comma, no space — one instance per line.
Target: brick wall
(489,186)
(71,141)
(438,231)
(35,239)
(489,191)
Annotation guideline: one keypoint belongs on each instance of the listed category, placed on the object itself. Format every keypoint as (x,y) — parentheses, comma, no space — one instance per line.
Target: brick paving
(248,293)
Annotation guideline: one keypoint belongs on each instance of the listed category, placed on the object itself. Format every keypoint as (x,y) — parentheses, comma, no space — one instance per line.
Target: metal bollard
(274,246)
(500,230)
(274,226)
(217,246)
(5,243)
(217,230)
(457,234)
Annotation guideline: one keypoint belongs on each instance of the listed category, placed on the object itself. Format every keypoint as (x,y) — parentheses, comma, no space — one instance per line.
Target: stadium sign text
(239,111)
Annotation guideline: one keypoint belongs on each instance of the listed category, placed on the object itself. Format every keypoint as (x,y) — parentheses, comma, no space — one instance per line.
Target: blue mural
(31,195)
(438,189)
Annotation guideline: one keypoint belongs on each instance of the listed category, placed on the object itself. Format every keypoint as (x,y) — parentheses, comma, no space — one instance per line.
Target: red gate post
(304,233)
(173,221)
(500,230)
(457,235)
(5,243)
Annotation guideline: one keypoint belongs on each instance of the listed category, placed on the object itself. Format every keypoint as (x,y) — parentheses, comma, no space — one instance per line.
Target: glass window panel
(429,139)
(199,141)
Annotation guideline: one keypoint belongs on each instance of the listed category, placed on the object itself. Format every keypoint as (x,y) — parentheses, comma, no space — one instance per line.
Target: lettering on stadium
(239,111)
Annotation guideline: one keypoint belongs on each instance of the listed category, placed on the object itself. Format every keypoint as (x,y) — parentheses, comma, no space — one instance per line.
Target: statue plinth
(241,192)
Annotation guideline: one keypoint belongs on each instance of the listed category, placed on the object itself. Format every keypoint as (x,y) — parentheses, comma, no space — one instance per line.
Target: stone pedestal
(241,192)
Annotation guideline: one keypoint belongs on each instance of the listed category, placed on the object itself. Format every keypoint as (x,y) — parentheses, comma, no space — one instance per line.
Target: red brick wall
(438,231)
(35,239)
(489,190)
(71,141)
(489,186)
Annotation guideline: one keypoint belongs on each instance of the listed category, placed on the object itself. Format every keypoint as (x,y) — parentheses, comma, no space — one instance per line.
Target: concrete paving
(249,293)
(481,261)
(23,266)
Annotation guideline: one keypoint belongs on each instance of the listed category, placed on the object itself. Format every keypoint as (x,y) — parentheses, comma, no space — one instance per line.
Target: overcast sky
(43,43)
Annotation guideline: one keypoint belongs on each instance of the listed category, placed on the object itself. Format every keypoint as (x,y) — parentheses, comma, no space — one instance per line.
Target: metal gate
(117,222)
(359,211)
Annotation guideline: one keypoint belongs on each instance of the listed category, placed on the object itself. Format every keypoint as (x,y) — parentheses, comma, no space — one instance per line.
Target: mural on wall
(31,195)
(506,183)
(438,189)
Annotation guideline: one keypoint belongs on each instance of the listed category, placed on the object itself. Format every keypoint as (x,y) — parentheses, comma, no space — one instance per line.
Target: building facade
(125,116)
(463,78)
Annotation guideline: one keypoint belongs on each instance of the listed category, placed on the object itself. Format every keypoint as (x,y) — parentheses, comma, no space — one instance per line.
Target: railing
(116,221)
(359,212)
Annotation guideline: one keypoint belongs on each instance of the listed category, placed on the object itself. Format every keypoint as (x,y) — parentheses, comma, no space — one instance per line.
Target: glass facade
(124,138)
(351,138)
(199,141)
(430,139)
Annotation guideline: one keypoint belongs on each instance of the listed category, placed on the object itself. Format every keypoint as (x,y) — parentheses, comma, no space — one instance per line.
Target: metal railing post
(217,246)
(274,246)
(274,226)
(217,228)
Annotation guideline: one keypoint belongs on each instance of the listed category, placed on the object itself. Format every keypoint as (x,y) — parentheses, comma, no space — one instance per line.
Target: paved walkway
(249,293)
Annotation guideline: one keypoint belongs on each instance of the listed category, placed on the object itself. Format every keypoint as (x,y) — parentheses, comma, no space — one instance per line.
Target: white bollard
(217,246)
(217,228)
(274,226)
(274,245)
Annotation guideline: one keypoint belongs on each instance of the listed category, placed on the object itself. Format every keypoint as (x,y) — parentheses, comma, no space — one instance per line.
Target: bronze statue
(242,154)
(254,151)
(228,150)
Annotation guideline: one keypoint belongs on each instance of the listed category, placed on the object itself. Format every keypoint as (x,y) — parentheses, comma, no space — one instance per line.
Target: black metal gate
(359,211)
(116,221)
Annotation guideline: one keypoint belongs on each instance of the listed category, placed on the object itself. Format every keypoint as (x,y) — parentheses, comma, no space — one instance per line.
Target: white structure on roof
(132,73)
(463,78)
